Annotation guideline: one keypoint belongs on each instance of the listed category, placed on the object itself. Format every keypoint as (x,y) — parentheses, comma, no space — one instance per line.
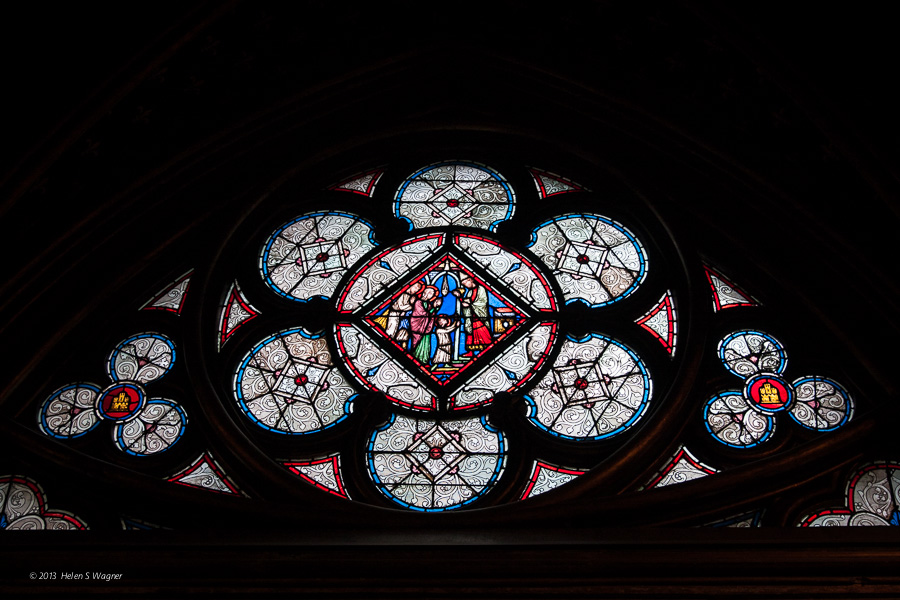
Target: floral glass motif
(288,384)
(434,465)
(142,425)
(596,389)
(306,257)
(594,259)
(873,499)
(455,193)
(23,508)
(743,419)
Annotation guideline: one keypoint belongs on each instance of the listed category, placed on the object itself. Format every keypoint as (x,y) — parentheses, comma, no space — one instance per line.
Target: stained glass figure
(23,508)
(323,473)
(748,352)
(386,268)
(821,403)
(435,465)
(171,298)
(288,384)
(661,323)
(306,257)
(545,477)
(511,268)
(444,318)
(69,411)
(550,184)
(234,313)
(206,474)
(595,260)
(873,498)
(362,184)
(156,428)
(141,358)
(596,389)
(682,467)
(455,193)
(725,293)
(442,304)
(731,420)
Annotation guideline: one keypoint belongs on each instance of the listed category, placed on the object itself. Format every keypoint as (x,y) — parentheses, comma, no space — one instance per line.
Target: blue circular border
(117,431)
(645,401)
(370,461)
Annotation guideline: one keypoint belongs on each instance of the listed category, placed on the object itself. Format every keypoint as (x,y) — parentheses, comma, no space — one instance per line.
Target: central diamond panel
(445,318)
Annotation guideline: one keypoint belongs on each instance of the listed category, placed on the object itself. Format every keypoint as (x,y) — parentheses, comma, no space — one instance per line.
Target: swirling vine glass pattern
(433,465)
(596,389)
(22,508)
(143,358)
(821,404)
(69,411)
(873,499)
(307,256)
(595,260)
(747,352)
(156,428)
(288,384)
(731,420)
(455,193)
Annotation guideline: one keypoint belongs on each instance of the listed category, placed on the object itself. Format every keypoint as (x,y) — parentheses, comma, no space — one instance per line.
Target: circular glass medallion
(595,259)
(69,411)
(822,404)
(288,384)
(143,358)
(157,427)
(121,401)
(454,193)
(746,353)
(306,257)
(731,420)
(596,389)
(434,466)
(768,393)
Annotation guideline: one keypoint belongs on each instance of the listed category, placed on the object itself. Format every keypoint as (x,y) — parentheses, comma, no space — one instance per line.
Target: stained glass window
(442,323)
(457,193)
(872,499)
(594,259)
(445,338)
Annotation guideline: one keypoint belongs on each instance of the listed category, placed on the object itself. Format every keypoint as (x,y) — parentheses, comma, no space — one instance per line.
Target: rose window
(440,324)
